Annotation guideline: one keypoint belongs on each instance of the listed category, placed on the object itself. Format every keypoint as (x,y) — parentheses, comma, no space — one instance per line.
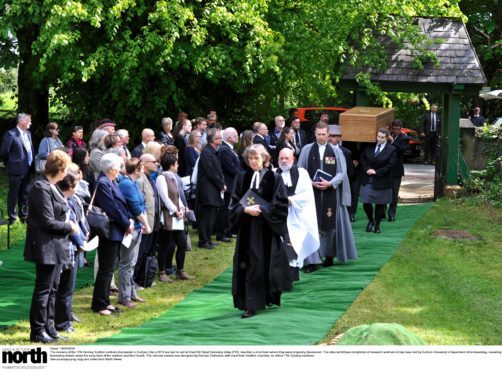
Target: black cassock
(261,268)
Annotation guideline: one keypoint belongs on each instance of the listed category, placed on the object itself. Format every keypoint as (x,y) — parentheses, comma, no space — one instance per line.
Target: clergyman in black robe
(261,268)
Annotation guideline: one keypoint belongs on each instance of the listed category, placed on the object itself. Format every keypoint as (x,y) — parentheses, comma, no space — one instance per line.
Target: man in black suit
(300,138)
(260,131)
(476,118)
(402,143)
(431,129)
(17,152)
(210,188)
(231,166)
(147,135)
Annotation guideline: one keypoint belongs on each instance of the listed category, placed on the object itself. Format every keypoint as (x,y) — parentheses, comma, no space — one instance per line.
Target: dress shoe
(213,244)
(310,268)
(55,335)
(328,262)
(392,218)
(224,239)
(68,329)
(74,318)
(128,304)
(205,246)
(164,278)
(42,337)
(22,219)
(182,275)
(369,227)
(377,229)
(138,299)
(248,314)
(113,309)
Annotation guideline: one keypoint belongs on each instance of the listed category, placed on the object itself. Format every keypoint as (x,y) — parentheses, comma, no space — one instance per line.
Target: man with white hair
(231,166)
(147,135)
(303,232)
(124,136)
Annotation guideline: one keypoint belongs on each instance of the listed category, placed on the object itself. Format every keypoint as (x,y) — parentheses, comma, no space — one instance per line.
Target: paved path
(418,183)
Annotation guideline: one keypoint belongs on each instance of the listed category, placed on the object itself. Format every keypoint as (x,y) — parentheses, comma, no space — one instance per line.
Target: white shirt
(229,144)
(322,148)
(286,177)
(382,146)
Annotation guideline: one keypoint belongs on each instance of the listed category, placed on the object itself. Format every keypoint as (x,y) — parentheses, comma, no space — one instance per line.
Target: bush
(486,185)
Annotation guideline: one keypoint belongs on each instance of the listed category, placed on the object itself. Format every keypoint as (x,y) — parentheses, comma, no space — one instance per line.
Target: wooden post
(451,131)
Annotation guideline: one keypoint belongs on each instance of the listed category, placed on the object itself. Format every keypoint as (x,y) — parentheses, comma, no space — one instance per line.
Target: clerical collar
(286,178)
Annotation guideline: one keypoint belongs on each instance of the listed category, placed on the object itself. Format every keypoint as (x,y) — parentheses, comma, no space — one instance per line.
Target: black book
(252,198)
(321,174)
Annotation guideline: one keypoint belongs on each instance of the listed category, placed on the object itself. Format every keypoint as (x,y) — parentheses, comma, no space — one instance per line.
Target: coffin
(360,124)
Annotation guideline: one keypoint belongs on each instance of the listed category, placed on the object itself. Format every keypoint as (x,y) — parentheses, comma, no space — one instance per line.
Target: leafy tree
(137,60)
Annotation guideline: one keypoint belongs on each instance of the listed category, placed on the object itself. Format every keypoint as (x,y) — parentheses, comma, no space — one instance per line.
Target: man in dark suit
(231,166)
(431,129)
(476,118)
(260,131)
(300,138)
(401,142)
(18,153)
(210,188)
(147,135)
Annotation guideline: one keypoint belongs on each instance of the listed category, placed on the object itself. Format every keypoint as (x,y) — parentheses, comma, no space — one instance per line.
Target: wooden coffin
(359,124)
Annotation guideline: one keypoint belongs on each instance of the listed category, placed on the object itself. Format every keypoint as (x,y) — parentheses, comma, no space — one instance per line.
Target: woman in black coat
(261,268)
(46,244)
(376,178)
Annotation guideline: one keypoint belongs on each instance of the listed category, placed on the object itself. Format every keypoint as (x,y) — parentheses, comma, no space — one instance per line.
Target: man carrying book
(326,166)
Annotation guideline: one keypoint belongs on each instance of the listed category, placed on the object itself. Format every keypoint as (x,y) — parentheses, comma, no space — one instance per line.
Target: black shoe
(392,218)
(248,314)
(352,219)
(205,246)
(213,244)
(55,335)
(328,262)
(68,329)
(74,318)
(369,227)
(310,268)
(42,337)
(377,229)
(22,219)
(224,240)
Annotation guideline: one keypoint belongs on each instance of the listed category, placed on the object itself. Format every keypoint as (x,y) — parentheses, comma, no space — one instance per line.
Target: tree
(137,60)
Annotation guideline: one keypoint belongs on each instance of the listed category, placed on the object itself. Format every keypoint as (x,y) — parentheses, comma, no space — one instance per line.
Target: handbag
(39,164)
(97,219)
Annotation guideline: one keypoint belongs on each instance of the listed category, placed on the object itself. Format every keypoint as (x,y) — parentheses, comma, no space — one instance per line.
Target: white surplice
(302,218)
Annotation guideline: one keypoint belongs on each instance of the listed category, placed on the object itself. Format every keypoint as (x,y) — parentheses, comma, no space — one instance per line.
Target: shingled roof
(458,61)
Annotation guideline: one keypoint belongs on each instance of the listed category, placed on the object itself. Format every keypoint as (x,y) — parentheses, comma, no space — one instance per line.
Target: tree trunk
(33,92)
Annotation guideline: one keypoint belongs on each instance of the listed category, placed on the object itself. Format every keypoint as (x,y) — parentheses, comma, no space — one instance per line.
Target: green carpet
(207,316)
(17,278)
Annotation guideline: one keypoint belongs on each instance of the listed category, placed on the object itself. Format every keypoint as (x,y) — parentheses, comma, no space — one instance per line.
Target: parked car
(415,144)
(497,122)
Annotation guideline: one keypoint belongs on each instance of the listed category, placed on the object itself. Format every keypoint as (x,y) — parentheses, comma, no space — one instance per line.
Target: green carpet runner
(207,316)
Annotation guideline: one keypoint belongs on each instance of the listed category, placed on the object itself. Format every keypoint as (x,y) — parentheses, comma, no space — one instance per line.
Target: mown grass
(202,263)
(447,292)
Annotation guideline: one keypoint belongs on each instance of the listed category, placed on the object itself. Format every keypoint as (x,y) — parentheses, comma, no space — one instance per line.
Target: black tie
(298,139)
(378,150)
(433,123)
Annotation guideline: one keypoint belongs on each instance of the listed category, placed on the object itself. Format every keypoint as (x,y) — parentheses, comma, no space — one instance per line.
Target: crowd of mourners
(287,197)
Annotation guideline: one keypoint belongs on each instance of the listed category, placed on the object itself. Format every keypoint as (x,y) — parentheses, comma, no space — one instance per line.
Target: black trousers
(430,148)
(18,193)
(107,253)
(146,248)
(177,242)
(63,308)
(396,185)
(207,222)
(222,225)
(44,295)
(379,212)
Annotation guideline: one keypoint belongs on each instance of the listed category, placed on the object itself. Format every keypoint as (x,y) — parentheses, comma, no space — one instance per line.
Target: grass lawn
(447,292)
